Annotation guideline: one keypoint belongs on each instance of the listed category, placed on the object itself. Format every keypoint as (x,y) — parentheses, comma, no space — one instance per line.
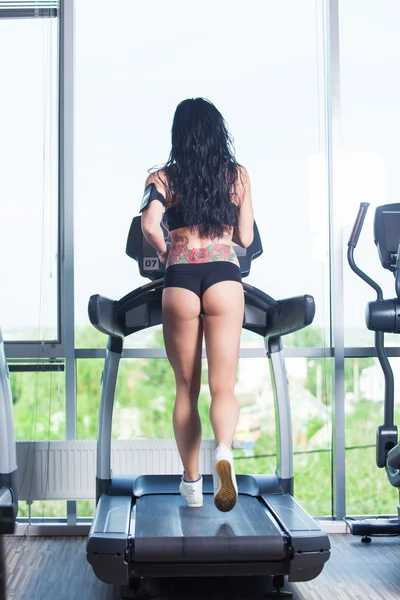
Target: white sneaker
(192,492)
(225,486)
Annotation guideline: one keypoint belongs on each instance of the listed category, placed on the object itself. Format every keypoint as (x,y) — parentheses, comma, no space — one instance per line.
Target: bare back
(190,247)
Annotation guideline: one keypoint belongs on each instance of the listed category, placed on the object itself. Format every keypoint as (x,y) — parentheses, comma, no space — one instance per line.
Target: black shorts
(200,276)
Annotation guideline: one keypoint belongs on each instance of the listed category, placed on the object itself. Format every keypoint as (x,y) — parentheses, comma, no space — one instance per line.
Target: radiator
(66,470)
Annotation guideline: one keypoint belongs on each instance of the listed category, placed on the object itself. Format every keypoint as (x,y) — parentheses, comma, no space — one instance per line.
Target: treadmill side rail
(108,539)
(311,545)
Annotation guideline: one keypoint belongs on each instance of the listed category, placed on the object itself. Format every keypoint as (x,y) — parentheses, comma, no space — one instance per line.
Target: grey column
(332,120)
(66,194)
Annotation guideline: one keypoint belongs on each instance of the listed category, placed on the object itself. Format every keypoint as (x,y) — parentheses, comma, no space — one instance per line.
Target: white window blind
(25,9)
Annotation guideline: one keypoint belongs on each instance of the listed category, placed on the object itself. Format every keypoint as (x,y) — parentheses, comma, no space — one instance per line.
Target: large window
(39,414)
(262,70)
(39,402)
(29,179)
(370,130)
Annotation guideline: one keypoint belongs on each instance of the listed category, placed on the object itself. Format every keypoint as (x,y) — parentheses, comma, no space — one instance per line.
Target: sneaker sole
(226,498)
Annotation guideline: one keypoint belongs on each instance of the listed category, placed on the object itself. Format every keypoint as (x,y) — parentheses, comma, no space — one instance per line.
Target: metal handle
(358,225)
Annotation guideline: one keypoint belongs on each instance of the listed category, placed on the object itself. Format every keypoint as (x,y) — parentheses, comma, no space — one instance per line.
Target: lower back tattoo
(181,254)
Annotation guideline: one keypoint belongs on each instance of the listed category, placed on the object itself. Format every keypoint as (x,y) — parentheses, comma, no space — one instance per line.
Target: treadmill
(142,526)
(8,463)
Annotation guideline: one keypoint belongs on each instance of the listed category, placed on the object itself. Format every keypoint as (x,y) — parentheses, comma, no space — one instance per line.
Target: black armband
(151,193)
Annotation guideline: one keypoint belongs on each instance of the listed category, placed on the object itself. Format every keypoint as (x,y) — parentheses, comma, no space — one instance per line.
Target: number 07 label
(150,263)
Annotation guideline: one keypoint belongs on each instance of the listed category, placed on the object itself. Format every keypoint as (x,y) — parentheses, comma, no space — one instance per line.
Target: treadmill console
(149,265)
(387,234)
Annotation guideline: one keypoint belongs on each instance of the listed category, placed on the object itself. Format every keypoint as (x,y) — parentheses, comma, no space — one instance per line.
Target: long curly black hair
(201,170)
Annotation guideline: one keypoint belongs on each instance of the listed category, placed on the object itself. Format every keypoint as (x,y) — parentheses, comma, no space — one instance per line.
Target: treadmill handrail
(137,296)
(283,316)
(103,316)
(266,300)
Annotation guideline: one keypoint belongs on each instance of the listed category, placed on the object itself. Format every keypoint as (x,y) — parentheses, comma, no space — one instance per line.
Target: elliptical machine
(382,316)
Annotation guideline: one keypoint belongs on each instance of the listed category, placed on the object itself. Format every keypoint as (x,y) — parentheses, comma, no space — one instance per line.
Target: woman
(207,199)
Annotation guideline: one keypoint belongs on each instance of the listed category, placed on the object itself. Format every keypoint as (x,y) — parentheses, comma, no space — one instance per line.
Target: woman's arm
(244,230)
(151,221)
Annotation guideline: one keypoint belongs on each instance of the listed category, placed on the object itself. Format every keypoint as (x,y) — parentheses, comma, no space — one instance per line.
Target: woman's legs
(183,334)
(223,305)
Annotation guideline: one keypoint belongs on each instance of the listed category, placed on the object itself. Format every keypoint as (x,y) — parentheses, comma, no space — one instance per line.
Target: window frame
(44,9)
(65,348)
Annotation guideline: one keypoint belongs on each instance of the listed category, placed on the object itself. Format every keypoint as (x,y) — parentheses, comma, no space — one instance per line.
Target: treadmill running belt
(167,530)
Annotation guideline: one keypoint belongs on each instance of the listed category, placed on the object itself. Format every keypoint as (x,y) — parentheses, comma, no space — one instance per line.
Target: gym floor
(45,568)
